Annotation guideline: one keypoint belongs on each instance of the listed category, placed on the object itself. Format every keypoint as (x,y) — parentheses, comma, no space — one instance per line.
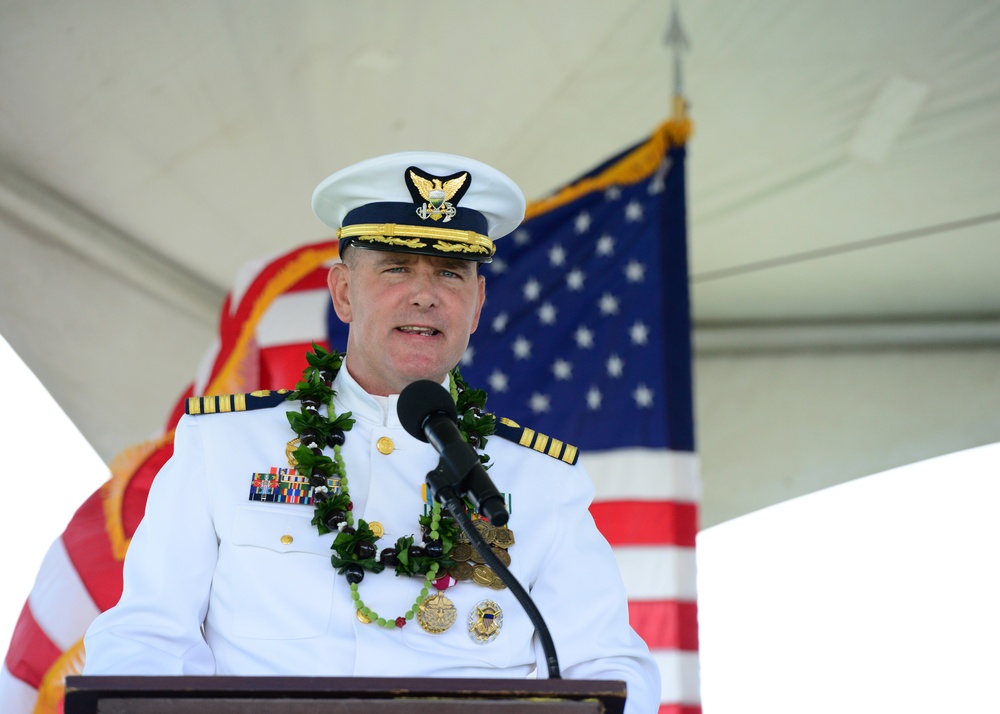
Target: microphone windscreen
(418,401)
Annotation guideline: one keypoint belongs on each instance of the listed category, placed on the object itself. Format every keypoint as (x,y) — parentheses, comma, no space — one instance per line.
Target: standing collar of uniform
(351,397)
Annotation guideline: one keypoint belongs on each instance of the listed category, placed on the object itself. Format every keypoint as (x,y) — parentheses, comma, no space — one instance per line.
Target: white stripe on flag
(204,371)
(15,695)
(644,474)
(294,318)
(657,572)
(245,275)
(679,676)
(56,585)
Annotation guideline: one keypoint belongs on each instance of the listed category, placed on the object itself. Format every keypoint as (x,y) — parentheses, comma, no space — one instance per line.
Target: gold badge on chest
(437,613)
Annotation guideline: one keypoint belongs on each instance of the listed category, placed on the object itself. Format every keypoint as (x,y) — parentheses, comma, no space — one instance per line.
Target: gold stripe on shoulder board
(512,431)
(224,403)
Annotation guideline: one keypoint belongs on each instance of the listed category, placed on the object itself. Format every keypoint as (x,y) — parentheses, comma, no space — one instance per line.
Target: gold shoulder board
(512,431)
(223,403)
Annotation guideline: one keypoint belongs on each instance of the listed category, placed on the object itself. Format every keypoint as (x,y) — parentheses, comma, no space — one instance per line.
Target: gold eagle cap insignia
(436,192)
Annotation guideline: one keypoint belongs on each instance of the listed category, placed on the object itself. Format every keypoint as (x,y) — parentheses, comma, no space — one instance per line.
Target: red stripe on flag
(281,366)
(133,506)
(665,624)
(313,281)
(647,522)
(89,549)
(31,652)
(679,709)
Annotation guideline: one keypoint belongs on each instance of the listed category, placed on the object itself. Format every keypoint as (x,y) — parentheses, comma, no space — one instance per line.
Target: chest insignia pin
(485,621)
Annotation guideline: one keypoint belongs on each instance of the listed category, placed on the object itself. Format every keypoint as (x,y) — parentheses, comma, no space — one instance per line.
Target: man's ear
(481,297)
(338,280)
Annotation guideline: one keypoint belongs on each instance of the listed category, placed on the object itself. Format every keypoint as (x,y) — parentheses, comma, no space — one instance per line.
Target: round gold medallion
(378,530)
(461,571)
(503,537)
(437,613)
(485,530)
(482,575)
(385,445)
(363,618)
(502,555)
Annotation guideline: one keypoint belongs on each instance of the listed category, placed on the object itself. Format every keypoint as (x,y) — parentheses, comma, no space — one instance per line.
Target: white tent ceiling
(844,166)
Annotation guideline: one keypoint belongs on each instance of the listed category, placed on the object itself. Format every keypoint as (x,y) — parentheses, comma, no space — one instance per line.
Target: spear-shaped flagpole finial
(678,41)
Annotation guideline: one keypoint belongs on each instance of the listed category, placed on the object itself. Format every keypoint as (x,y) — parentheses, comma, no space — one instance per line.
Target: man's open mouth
(414,330)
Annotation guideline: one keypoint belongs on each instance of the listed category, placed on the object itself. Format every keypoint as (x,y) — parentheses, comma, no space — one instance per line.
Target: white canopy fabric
(843,167)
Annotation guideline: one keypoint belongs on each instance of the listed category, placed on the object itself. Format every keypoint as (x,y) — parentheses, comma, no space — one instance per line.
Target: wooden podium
(340,695)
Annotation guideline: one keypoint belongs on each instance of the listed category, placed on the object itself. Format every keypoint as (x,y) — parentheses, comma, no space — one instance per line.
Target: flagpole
(678,41)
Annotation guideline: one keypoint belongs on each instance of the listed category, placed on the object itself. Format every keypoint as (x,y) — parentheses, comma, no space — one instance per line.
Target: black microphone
(427,412)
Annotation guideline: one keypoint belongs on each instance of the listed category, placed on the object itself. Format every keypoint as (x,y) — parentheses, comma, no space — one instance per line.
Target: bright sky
(40,500)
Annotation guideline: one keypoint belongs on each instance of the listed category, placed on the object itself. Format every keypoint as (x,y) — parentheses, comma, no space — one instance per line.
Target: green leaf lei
(354,547)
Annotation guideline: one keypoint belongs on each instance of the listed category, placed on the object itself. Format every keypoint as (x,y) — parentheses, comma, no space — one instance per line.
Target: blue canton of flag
(585,334)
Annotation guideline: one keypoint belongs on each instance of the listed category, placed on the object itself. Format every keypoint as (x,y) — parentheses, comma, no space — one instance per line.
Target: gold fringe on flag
(53,687)
(123,468)
(635,166)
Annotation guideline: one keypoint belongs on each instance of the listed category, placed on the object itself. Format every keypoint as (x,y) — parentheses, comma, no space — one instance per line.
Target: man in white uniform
(230,571)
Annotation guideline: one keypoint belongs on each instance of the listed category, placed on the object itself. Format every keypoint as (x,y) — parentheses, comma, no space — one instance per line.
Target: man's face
(410,315)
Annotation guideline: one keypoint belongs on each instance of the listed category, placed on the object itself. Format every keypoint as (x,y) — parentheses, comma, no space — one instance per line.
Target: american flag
(585,336)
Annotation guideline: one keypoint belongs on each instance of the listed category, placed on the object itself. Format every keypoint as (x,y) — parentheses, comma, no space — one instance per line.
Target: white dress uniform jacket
(215,583)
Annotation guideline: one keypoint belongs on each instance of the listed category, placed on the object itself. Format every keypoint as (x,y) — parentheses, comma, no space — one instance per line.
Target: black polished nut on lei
(334,519)
(354,573)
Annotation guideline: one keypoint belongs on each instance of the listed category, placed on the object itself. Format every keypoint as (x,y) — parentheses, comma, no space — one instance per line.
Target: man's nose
(424,292)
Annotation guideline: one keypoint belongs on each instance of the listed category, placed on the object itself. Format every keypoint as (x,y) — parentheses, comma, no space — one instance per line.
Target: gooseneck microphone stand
(442,485)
